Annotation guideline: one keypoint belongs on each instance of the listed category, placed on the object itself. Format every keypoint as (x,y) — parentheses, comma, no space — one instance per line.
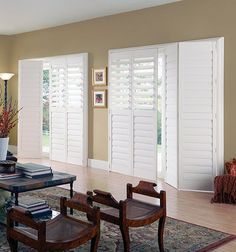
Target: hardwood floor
(188,206)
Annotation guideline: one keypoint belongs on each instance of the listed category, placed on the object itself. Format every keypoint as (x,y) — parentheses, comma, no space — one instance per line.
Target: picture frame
(99,77)
(99,98)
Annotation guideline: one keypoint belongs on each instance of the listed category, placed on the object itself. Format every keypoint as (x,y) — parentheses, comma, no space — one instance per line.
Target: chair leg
(13,245)
(125,235)
(94,243)
(161,233)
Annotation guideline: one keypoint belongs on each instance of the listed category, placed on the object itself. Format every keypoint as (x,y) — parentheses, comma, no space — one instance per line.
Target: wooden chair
(132,212)
(61,233)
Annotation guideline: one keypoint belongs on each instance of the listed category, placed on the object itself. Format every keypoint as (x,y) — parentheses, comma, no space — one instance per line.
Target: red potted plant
(8,120)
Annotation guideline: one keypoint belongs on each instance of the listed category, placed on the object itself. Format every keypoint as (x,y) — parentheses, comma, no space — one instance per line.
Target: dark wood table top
(24,184)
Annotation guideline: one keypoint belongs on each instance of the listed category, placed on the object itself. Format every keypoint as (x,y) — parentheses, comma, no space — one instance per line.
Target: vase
(3,147)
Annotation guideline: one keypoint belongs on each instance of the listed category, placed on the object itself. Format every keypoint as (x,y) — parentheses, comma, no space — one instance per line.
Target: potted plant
(8,120)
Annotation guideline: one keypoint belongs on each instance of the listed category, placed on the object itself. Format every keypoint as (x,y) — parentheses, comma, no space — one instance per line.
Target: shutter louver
(144,80)
(144,144)
(75,84)
(120,82)
(121,142)
(75,138)
(58,136)
(58,86)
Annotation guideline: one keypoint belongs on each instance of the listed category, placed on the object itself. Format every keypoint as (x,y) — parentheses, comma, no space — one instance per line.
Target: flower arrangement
(8,117)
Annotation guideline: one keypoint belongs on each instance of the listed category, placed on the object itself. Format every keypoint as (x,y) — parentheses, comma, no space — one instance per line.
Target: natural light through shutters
(75,85)
(120,91)
(144,83)
(58,86)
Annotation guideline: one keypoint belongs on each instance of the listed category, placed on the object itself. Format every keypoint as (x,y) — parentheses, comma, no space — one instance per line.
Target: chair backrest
(102,197)
(147,188)
(80,203)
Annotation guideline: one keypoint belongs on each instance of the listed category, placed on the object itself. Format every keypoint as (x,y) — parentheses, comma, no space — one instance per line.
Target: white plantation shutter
(197,139)
(144,144)
(58,135)
(69,109)
(29,125)
(171,114)
(120,142)
(120,81)
(144,83)
(58,113)
(193,109)
(120,113)
(132,110)
(77,112)
(144,97)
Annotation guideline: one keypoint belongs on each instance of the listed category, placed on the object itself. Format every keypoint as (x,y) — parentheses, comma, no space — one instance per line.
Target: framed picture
(99,99)
(100,77)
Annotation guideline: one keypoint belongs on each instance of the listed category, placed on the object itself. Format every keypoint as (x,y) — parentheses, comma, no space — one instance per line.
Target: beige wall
(187,20)
(5,57)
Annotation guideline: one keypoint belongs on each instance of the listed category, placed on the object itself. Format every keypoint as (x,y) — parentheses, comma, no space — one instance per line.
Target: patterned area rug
(179,235)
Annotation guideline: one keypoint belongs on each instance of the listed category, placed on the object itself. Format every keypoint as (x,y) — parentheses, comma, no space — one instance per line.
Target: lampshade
(6,76)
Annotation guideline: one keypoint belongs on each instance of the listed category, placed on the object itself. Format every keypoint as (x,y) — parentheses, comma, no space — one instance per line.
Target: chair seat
(62,229)
(135,210)
(131,212)
(138,210)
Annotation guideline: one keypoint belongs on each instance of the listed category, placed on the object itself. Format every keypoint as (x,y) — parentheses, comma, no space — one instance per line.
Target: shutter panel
(144,87)
(120,122)
(171,114)
(58,115)
(133,115)
(69,109)
(144,144)
(196,120)
(120,81)
(120,142)
(58,135)
(29,125)
(77,102)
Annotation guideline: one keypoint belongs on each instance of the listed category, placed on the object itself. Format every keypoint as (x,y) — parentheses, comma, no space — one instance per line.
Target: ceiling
(18,16)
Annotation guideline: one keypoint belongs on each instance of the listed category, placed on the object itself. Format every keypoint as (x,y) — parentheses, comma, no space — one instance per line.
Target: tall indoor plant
(8,120)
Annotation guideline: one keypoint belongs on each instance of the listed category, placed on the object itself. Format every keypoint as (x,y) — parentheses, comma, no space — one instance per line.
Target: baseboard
(12,148)
(98,164)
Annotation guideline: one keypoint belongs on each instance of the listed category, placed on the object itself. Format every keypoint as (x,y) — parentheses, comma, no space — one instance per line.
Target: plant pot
(3,147)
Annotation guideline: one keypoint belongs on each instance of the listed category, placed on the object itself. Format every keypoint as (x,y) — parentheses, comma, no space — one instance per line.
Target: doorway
(53,94)
(163,102)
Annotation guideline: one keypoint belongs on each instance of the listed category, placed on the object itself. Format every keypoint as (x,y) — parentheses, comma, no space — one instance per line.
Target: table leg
(71,195)
(16,199)
(16,204)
